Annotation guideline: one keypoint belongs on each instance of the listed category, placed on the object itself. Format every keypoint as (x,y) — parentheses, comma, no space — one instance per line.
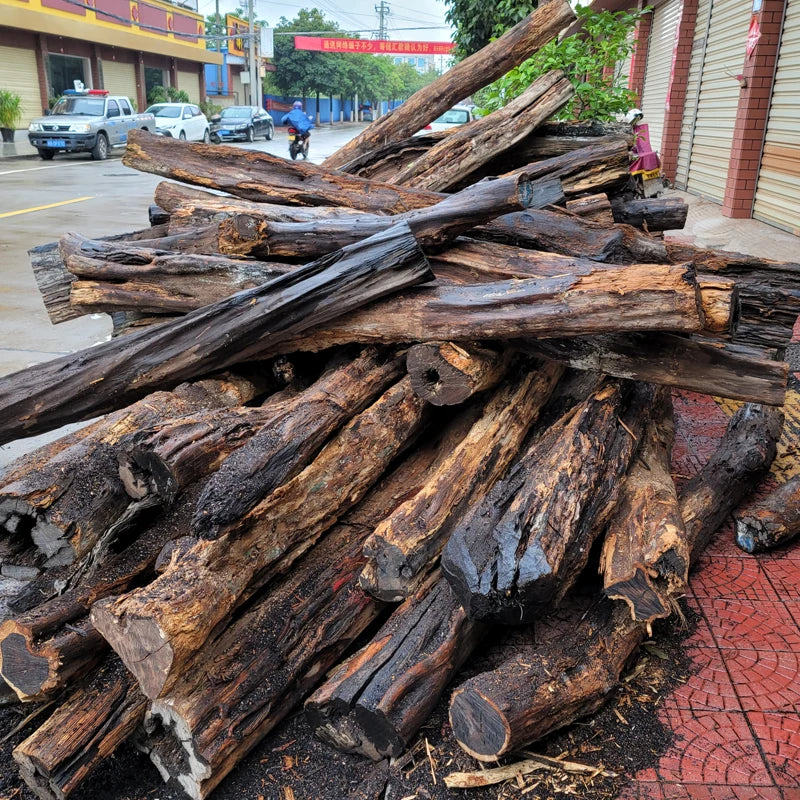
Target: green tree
(477,21)
(591,59)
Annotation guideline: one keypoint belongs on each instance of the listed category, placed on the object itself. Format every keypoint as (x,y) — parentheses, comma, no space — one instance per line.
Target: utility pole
(218,47)
(383,13)
(255,94)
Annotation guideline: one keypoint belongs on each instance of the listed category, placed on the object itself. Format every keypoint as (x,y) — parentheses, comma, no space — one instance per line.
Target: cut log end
(752,535)
(386,576)
(479,725)
(36,777)
(26,672)
(643,599)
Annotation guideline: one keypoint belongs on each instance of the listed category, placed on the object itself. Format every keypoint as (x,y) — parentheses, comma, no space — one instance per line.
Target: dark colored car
(242,122)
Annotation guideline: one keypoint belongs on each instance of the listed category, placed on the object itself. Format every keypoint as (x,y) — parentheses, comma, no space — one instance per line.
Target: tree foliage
(591,59)
(476,22)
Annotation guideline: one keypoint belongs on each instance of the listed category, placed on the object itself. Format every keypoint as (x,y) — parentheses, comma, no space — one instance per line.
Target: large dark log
(770,522)
(247,678)
(467,76)
(546,685)
(645,559)
(386,160)
(291,437)
(156,629)
(405,546)
(85,730)
(232,330)
(458,156)
(376,700)
(258,176)
(520,549)
(595,207)
(66,494)
(661,214)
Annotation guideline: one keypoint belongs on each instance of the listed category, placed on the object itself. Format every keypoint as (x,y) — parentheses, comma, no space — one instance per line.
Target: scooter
(646,179)
(298,143)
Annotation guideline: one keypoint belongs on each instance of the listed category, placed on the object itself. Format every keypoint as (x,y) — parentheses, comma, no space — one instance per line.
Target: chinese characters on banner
(336,45)
(753,35)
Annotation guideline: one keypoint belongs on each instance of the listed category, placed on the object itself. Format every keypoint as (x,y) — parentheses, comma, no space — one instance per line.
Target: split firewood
(157,628)
(545,686)
(65,495)
(85,730)
(404,547)
(246,679)
(467,76)
(458,156)
(595,207)
(376,700)
(446,374)
(291,436)
(521,549)
(652,214)
(770,522)
(119,372)
(645,560)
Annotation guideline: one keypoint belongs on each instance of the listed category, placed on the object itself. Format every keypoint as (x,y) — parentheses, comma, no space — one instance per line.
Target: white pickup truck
(87,122)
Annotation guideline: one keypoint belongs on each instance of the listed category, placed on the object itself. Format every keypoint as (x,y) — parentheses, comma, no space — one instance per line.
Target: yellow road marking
(42,208)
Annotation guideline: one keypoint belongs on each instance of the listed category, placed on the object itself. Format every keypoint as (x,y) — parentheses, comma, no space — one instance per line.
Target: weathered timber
(645,558)
(45,646)
(289,438)
(66,495)
(244,680)
(520,549)
(261,177)
(53,393)
(109,276)
(84,730)
(653,214)
(157,628)
(376,700)
(445,374)
(769,522)
(544,686)
(469,147)
(711,367)
(742,458)
(595,207)
(405,546)
(384,161)
(474,72)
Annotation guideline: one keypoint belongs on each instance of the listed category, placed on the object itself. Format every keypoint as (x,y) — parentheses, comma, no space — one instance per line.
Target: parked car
(181,121)
(87,121)
(242,122)
(457,115)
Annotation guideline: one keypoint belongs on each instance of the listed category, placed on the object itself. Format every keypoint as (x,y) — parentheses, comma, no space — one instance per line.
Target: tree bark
(594,207)
(645,559)
(85,730)
(473,73)
(230,331)
(458,156)
(66,494)
(376,700)
(264,178)
(405,546)
(653,214)
(445,374)
(520,550)
(770,522)
(157,628)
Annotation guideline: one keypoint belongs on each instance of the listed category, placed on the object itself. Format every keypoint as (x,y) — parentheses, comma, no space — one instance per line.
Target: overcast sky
(416,20)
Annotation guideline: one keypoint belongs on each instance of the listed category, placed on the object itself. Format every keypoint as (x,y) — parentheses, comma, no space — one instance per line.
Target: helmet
(297,104)
(633,116)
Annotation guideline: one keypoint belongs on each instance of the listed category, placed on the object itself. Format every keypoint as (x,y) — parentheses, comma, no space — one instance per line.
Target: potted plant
(10,113)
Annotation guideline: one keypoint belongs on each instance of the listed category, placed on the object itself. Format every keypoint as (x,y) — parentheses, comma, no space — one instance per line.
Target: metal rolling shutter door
(120,78)
(778,190)
(692,93)
(190,83)
(19,74)
(657,70)
(719,98)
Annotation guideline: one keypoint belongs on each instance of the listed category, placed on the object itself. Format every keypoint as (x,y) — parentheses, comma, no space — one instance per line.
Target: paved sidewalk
(19,148)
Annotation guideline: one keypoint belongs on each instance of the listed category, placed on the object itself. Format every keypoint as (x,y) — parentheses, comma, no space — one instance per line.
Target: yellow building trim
(33,17)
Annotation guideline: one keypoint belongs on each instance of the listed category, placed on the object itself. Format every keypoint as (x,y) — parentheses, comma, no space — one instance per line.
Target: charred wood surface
(653,214)
(770,522)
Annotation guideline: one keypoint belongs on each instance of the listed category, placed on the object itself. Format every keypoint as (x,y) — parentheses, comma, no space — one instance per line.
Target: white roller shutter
(692,92)
(190,83)
(778,189)
(120,78)
(719,98)
(659,63)
(19,72)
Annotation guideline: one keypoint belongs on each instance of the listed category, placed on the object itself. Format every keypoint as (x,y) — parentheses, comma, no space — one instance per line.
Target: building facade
(125,46)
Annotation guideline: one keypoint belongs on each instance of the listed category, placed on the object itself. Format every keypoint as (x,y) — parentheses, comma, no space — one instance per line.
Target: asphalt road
(40,201)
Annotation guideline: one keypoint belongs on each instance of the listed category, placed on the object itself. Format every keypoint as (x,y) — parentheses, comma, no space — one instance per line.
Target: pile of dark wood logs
(428,383)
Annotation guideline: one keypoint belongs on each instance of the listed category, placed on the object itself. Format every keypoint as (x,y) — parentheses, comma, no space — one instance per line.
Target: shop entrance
(63,71)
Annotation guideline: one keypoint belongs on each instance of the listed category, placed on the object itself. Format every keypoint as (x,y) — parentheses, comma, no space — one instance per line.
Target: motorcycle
(646,179)
(298,143)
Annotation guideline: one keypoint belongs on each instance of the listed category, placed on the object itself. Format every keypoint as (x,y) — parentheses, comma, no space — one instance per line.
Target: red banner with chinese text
(332,45)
